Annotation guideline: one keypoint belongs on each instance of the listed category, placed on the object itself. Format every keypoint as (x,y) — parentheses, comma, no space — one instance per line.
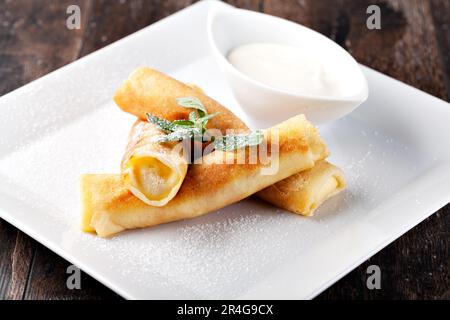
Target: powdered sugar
(220,255)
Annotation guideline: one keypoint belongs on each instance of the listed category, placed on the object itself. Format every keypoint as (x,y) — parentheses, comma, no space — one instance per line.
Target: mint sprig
(237,141)
(162,124)
(195,128)
(179,135)
(193,103)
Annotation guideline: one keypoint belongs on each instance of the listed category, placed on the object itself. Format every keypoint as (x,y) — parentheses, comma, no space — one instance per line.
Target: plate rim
(109,282)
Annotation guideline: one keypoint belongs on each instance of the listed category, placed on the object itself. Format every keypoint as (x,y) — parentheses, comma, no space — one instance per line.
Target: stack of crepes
(157,184)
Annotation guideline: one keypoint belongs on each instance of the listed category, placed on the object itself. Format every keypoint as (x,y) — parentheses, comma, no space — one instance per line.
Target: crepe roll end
(305,191)
(86,204)
(97,191)
(327,187)
(152,178)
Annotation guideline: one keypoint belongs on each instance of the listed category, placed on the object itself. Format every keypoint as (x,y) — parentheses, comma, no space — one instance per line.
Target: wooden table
(412,46)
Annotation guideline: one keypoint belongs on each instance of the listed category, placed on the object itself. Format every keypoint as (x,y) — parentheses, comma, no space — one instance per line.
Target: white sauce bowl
(229,27)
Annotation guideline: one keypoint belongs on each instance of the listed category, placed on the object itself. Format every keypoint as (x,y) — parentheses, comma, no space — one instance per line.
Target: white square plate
(394,150)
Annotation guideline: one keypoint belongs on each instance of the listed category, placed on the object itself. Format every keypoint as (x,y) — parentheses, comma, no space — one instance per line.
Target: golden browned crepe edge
(148,90)
(207,187)
(300,193)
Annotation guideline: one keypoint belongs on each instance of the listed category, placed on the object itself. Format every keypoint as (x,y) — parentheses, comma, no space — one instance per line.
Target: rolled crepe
(305,191)
(152,171)
(109,207)
(148,90)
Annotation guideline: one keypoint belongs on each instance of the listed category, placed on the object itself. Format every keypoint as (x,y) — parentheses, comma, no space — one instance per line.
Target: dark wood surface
(412,46)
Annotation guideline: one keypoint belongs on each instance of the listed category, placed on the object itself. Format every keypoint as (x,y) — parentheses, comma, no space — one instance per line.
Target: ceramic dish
(391,149)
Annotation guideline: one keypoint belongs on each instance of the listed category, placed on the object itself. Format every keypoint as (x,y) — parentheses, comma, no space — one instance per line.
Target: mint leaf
(180,134)
(162,124)
(204,120)
(184,123)
(233,142)
(194,103)
(193,116)
(178,130)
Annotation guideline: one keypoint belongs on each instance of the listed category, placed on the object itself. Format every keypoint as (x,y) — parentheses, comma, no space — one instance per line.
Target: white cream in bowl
(289,69)
(277,69)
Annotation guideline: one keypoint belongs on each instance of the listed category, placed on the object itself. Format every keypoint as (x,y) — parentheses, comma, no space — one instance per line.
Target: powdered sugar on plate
(218,255)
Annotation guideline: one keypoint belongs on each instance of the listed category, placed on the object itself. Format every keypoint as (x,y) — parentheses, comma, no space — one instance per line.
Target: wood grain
(412,46)
(16,253)
(33,42)
(405,48)
(440,10)
(47,280)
